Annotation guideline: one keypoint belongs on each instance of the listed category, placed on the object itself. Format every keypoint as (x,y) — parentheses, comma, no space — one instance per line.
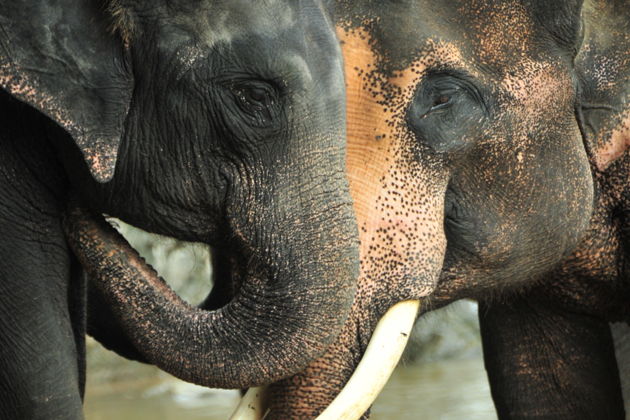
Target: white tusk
(381,357)
(379,361)
(251,406)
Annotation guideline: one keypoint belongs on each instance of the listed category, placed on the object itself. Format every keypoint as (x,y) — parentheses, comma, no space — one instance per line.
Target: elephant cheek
(402,236)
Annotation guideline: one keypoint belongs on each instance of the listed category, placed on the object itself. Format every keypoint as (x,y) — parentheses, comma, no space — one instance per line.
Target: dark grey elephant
(488,158)
(213,121)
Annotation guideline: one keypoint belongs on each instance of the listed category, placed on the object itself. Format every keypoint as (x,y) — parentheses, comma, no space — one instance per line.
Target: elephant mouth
(370,376)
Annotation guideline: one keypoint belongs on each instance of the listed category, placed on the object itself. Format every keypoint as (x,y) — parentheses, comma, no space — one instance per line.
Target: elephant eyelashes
(439,103)
(257,100)
(444,106)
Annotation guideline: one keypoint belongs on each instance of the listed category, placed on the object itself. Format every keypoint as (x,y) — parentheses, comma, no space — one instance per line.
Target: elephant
(487,159)
(219,122)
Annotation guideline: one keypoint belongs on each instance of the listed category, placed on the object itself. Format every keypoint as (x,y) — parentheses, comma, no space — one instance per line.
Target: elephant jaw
(378,363)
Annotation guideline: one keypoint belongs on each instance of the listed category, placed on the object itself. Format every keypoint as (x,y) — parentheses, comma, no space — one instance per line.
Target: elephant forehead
(500,33)
(491,34)
(225,21)
(237,18)
(193,33)
(295,37)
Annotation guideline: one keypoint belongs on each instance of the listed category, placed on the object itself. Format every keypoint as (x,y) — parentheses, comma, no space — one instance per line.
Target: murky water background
(450,390)
(455,389)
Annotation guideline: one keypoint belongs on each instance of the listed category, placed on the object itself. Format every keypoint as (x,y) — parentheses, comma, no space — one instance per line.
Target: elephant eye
(257,100)
(440,91)
(440,101)
(445,107)
(254,96)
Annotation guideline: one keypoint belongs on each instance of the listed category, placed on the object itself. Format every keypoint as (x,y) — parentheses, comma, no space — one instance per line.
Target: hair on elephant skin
(487,159)
(219,122)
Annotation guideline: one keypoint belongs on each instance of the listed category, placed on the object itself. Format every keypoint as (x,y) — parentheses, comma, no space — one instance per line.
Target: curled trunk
(265,333)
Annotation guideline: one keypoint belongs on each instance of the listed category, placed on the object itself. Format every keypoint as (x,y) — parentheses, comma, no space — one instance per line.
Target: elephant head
(213,121)
(467,164)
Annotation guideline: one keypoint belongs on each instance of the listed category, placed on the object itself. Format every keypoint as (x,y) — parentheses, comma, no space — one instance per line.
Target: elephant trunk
(267,332)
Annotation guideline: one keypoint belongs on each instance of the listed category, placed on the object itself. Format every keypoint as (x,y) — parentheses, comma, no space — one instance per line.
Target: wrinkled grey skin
(213,121)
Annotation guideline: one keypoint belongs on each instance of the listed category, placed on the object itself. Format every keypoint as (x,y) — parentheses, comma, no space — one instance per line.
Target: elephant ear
(61,57)
(562,20)
(603,66)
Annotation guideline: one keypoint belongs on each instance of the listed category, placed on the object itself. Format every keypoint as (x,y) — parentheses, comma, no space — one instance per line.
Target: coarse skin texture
(219,122)
(42,294)
(487,160)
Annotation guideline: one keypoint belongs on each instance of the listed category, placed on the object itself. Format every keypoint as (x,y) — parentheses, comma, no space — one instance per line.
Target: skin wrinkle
(19,85)
(519,200)
(35,314)
(586,283)
(400,236)
(530,230)
(99,148)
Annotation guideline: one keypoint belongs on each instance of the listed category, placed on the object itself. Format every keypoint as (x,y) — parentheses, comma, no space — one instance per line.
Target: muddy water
(448,390)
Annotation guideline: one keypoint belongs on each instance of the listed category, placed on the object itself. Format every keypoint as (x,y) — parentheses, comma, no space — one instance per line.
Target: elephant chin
(379,360)
(245,343)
